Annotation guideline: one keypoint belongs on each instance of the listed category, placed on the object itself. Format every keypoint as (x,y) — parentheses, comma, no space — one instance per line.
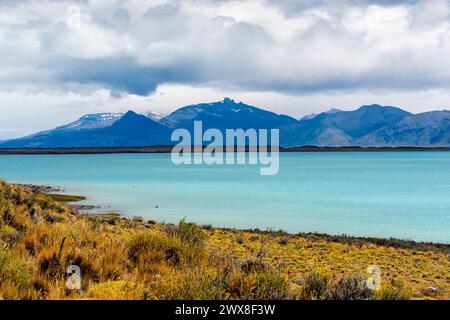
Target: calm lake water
(399,194)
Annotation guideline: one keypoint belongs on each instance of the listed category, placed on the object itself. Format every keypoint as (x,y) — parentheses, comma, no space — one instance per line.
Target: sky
(62,59)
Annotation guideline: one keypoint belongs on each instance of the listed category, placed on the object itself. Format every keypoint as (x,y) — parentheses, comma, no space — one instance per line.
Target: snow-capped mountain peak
(93,121)
(155,116)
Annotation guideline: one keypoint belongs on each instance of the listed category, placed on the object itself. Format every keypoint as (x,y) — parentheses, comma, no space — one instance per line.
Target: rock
(430,291)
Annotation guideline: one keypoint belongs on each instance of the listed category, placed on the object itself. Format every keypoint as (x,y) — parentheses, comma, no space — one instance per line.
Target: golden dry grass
(136,259)
(299,255)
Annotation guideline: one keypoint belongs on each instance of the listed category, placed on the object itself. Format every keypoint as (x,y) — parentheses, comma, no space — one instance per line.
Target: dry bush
(14,269)
(264,285)
(393,290)
(315,286)
(187,231)
(191,284)
(349,288)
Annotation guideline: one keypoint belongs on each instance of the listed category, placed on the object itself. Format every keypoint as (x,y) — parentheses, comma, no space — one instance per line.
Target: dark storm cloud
(283,46)
(122,74)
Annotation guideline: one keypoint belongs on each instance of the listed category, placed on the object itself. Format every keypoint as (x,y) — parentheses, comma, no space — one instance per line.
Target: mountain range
(370,125)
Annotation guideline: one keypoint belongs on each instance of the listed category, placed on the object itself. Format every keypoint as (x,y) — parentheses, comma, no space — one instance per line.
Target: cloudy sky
(60,60)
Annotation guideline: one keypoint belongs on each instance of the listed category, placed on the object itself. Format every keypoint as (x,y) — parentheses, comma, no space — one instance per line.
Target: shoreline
(109,248)
(340,238)
(91,211)
(168,149)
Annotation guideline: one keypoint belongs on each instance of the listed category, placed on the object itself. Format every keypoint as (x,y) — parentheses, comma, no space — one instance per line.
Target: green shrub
(14,269)
(191,284)
(393,291)
(7,232)
(315,286)
(160,247)
(265,285)
(187,231)
(225,284)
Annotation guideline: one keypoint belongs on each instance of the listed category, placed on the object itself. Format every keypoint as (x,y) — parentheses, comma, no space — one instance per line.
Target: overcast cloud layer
(290,56)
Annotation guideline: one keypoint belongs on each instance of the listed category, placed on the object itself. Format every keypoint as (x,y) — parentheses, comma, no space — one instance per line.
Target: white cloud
(293,56)
(88,42)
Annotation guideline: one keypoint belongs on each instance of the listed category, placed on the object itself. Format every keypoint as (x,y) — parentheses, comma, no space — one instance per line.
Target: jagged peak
(227,100)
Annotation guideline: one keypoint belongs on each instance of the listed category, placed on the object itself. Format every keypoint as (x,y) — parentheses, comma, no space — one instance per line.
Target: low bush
(315,285)
(14,269)
(394,290)
(264,285)
(349,288)
(188,232)
(151,248)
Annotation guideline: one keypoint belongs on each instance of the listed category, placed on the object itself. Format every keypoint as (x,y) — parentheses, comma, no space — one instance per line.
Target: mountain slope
(102,120)
(130,130)
(313,115)
(340,128)
(138,130)
(92,121)
(424,129)
(365,119)
(226,114)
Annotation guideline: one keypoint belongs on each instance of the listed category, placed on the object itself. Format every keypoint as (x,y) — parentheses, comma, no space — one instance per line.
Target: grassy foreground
(137,259)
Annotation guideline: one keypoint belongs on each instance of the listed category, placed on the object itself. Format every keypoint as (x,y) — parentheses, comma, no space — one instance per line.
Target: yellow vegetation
(135,259)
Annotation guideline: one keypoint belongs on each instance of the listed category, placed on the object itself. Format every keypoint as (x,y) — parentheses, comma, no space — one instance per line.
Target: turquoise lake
(385,194)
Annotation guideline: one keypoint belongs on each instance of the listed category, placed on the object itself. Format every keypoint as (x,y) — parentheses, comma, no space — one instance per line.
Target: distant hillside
(340,128)
(424,129)
(313,115)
